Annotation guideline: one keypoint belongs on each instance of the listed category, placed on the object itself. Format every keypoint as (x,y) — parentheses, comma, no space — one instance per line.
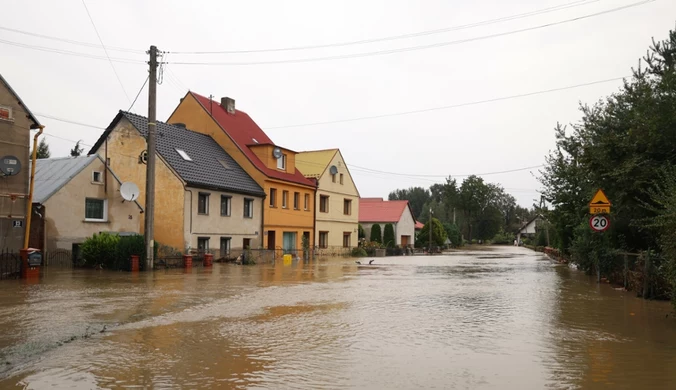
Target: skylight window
(254,140)
(183,154)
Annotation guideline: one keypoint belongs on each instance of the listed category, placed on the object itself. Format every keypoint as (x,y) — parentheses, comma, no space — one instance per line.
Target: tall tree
(77,150)
(43,149)
(416,196)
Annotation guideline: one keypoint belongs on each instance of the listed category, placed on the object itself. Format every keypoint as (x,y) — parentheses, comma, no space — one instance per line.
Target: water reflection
(506,318)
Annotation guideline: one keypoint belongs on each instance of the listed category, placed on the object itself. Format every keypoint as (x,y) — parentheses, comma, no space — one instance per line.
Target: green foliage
(438,234)
(127,246)
(77,150)
(388,236)
(503,238)
(541,237)
(416,196)
(454,234)
(376,234)
(100,249)
(43,149)
(361,233)
(114,252)
(305,244)
(620,145)
(359,252)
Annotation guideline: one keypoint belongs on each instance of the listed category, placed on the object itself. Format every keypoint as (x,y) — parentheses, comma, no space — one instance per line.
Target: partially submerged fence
(10,264)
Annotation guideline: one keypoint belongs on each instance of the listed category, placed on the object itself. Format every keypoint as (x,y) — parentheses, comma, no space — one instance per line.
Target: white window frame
(183,154)
(11,113)
(285,199)
(228,205)
(105,211)
(281,163)
(228,245)
(251,207)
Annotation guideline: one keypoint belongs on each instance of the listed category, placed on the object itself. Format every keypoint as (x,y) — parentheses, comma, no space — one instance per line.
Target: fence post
(646,275)
(626,269)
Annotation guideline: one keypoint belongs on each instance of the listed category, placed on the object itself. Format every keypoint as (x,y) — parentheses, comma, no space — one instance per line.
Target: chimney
(228,104)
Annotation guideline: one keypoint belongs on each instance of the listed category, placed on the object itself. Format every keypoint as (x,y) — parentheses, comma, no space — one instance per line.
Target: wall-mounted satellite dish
(9,166)
(277,153)
(333,169)
(129,191)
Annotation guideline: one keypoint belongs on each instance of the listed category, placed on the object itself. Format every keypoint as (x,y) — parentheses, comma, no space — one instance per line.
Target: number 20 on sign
(599,223)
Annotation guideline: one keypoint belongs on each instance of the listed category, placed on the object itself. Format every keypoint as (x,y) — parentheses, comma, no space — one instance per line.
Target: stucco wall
(335,221)
(65,210)
(15,140)
(125,145)
(276,219)
(405,227)
(214,225)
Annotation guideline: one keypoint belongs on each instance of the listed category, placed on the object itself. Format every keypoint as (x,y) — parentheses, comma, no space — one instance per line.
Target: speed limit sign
(599,223)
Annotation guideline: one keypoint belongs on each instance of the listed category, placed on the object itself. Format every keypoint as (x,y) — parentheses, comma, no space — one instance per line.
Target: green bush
(438,234)
(100,249)
(376,234)
(388,236)
(359,252)
(127,246)
(503,238)
(454,234)
(361,233)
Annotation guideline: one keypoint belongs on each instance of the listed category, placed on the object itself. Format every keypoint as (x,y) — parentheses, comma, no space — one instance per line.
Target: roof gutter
(29,205)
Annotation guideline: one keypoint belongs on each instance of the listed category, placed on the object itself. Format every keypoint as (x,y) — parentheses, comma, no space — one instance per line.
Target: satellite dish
(143,157)
(129,191)
(333,170)
(277,153)
(10,166)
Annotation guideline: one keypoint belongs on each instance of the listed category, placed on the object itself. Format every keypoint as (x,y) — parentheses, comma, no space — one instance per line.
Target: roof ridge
(178,128)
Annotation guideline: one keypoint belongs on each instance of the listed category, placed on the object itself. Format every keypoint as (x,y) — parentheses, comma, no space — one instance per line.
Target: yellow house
(289,211)
(203,199)
(337,198)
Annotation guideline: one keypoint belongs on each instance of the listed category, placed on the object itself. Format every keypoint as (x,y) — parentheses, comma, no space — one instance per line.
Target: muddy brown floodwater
(505,318)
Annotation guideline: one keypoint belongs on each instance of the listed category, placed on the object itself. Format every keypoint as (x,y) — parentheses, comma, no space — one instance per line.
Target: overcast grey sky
(495,136)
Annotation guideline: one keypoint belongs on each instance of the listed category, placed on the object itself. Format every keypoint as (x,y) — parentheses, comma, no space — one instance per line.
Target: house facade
(204,200)
(16,121)
(288,213)
(72,200)
(337,198)
(397,212)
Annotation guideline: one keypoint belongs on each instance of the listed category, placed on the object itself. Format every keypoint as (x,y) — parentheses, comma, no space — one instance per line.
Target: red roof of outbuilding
(419,225)
(244,131)
(379,210)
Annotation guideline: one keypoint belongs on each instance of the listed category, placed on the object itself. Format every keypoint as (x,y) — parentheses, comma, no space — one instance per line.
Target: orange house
(289,212)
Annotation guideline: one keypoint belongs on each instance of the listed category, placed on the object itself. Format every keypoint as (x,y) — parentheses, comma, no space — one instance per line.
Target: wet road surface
(505,318)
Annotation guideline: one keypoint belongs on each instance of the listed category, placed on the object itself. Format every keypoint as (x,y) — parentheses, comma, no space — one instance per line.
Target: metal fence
(10,264)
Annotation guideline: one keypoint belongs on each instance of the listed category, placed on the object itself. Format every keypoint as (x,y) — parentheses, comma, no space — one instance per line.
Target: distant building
(397,212)
(419,226)
(204,200)
(530,228)
(337,198)
(75,198)
(16,121)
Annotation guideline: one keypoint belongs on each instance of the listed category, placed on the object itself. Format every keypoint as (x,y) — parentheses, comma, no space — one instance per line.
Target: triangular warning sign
(600,199)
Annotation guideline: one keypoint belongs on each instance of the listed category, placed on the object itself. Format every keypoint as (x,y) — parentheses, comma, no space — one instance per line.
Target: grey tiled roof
(207,168)
(51,174)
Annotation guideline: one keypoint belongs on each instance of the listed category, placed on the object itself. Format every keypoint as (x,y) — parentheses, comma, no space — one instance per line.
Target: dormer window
(281,162)
(183,154)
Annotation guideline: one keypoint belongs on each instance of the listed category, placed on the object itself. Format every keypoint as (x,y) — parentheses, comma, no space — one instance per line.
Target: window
(296,200)
(346,239)
(324,203)
(347,207)
(273,197)
(95,209)
(281,162)
(341,178)
(285,198)
(323,239)
(246,243)
(203,203)
(203,244)
(307,201)
(333,177)
(6,113)
(248,208)
(225,246)
(96,177)
(226,203)
(183,154)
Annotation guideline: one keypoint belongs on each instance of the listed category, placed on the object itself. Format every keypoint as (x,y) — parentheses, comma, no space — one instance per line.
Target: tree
(376,234)
(43,149)
(453,233)
(77,150)
(360,230)
(388,236)
(438,234)
(416,196)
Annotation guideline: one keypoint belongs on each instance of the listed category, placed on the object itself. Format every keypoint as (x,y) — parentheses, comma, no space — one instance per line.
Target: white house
(397,212)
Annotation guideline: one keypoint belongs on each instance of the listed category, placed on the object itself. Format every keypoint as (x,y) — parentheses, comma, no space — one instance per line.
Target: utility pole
(453,215)
(150,168)
(430,250)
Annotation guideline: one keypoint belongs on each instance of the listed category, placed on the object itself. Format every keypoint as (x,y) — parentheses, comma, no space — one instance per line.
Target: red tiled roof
(419,225)
(244,131)
(379,210)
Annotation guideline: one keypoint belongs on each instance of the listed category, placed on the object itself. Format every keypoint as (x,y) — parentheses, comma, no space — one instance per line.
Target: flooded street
(505,318)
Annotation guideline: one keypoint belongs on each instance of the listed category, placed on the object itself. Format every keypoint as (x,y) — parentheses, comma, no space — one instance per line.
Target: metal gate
(10,264)
(58,258)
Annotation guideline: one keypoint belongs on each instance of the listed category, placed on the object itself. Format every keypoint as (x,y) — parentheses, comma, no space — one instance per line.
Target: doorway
(271,240)
(289,244)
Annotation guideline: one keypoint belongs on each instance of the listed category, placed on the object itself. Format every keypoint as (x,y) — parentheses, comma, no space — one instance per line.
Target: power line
(447,175)
(73,42)
(448,106)
(69,121)
(139,93)
(400,36)
(106,51)
(412,48)
(71,53)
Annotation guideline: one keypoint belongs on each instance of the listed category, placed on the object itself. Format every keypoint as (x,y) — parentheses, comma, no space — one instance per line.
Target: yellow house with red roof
(289,210)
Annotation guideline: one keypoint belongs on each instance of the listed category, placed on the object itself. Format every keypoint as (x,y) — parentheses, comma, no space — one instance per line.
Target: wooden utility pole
(430,250)
(150,168)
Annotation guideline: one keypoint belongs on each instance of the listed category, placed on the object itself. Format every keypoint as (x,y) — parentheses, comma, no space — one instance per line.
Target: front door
(271,239)
(405,241)
(289,244)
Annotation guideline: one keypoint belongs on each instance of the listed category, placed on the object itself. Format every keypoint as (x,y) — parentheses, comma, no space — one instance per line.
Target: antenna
(129,191)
